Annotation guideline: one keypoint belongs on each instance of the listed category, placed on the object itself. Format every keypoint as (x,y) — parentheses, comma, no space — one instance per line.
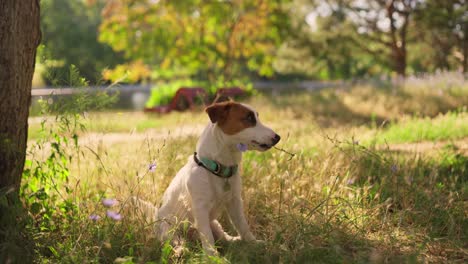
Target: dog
(210,181)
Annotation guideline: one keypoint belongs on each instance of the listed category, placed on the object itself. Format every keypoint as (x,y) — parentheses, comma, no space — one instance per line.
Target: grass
(449,126)
(124,122)
(337,201)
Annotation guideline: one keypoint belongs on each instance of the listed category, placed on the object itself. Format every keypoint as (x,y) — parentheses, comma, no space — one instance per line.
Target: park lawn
(121,122)
(341,198)
(449,126)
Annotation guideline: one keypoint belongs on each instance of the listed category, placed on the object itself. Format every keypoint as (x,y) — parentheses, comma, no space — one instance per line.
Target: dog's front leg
(200,199)
(202,223)
(235,210)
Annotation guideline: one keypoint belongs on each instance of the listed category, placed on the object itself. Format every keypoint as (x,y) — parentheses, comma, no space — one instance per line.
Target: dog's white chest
(219,205)
(222,189)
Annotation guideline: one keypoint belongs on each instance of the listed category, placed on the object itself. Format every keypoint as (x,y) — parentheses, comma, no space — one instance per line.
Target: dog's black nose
(276,139)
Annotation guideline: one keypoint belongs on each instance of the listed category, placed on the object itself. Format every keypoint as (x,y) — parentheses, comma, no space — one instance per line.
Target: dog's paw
(211,251)
(249,237)
(259,242)
(229,238)
(179,251)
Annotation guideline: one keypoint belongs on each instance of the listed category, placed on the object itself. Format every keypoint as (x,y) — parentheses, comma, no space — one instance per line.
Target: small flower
(350,181)
(109,202)
(394,168)
(114,215)
(241,147)
(94,217)
(152,167)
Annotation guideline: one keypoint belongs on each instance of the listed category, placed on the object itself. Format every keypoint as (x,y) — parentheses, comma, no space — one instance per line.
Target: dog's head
(241,125)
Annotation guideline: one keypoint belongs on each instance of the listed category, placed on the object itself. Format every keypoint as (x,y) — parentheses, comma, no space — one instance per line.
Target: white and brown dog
(210,181)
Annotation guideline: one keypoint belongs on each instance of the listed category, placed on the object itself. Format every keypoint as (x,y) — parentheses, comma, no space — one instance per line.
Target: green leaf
(35,208)
(166,252)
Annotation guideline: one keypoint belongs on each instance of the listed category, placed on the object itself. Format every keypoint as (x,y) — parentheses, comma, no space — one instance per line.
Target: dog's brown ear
(218,111)
(222,98)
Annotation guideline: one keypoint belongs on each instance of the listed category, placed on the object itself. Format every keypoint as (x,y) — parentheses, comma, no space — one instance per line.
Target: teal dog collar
(214,167)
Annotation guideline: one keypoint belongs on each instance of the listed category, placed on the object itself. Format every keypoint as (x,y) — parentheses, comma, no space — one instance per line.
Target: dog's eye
(251,118)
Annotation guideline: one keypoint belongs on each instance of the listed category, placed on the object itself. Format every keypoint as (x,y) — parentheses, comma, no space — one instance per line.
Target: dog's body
(197,194)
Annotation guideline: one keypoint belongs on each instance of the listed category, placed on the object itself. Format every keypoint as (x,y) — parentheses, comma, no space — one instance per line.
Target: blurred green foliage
(152,41)
(342,39)
(70,37)
(203,40)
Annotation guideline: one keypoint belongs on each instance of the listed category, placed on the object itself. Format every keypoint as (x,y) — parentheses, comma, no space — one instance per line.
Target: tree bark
(19,37)
(398,38)
(399,61)
(465,53)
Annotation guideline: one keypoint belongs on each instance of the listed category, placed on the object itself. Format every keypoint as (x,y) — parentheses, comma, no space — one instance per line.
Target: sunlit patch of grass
(138,122)
(126,122)
(367,105)
(452,125)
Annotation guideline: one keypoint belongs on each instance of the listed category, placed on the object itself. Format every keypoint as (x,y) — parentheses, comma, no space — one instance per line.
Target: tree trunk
(399,61)
(465,53)
(19,37)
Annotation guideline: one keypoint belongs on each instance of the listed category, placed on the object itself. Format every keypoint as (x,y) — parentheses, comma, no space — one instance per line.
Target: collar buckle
(218,167)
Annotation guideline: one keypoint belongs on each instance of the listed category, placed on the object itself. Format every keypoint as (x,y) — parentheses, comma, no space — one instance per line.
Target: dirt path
(425,146)
(196,130)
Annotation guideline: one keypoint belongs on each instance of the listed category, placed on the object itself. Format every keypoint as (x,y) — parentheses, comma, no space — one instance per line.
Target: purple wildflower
(350,181)
(114,215)
(152,167)
(109,202)
(241,147)
(94,217)
(394,168)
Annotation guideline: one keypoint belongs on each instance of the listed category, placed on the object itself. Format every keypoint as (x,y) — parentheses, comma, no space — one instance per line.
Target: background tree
(19,37)
(199,39)
(444,27)
(384,23)
(320,45)
(382,28)
(70,36)
(352,38)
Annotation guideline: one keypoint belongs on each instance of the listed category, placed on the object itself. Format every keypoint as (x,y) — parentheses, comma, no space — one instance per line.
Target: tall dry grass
(345,197)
